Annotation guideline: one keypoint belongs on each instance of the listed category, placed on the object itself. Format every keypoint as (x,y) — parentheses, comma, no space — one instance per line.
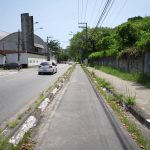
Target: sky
(59,18)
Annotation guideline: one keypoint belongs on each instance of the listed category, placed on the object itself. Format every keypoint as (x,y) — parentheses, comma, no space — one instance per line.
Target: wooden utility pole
(18,46)
(84,27)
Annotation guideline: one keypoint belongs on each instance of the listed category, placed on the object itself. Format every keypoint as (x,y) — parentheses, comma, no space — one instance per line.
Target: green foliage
(130,38)
(144,43)
(64,56)
(127,35)
(137,18)
(96,55)
(13,124)
(129,100)
(54,47)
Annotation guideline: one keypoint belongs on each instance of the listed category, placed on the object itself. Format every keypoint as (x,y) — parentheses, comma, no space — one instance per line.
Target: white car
(49,67)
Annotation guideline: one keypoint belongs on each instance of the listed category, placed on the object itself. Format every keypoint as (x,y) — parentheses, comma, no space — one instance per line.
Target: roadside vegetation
(144,79)
(128,39)
(25,144)
(116,102)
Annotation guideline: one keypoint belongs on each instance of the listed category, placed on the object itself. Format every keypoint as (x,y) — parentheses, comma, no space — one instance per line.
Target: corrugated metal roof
(38,45)
(3,34)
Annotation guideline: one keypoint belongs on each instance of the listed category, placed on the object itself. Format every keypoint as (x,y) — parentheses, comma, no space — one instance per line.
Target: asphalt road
(79,121)
(20,89)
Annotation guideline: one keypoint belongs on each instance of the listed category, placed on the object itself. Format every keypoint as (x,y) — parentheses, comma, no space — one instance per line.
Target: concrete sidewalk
(128,88)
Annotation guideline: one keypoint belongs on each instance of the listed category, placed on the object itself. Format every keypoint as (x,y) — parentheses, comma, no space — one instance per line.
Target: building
(24,46)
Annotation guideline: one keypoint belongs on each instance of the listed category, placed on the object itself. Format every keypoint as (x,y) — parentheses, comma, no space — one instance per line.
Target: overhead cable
(103,12)
(107,12)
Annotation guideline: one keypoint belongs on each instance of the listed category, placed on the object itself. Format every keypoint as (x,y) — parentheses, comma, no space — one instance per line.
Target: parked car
(12,66)
(49,67)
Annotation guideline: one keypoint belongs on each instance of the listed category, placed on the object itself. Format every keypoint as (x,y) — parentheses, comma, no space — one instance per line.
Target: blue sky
(60,17)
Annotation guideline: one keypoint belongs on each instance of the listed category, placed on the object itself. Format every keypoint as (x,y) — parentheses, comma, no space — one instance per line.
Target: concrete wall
(10,58)
(2,60)
(26,59)
(34,60)
(147,63)
(128,64)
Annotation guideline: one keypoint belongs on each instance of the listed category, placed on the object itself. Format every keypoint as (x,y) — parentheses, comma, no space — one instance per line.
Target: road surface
(19,89)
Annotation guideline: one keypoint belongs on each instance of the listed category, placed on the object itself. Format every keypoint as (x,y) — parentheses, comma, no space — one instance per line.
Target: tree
(144,43)
(54,47)
(127,35)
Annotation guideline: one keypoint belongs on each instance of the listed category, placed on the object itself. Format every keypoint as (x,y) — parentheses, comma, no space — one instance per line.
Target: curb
(33,118)
(139,115)
(137,112)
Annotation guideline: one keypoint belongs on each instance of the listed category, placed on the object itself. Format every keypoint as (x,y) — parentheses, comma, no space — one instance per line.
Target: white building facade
(11,51)
(23,47)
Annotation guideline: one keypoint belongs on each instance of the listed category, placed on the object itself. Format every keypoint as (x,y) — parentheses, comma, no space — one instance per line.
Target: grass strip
(143,79)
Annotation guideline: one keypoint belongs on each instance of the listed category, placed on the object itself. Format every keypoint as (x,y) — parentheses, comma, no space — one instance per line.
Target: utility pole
(84,27)
(48,57)
(49,53)
(18,46)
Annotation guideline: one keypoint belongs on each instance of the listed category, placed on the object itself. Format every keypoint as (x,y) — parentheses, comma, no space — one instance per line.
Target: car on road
(47,67)
(12,66)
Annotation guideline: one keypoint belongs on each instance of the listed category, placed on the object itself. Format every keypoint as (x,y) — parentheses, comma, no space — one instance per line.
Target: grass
(129,100)
(143,79)
(39,100)
(13,123)
(25,144)
(114,102)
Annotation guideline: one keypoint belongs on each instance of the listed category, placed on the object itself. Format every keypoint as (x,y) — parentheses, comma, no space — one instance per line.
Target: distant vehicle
(49,67)
(12,66)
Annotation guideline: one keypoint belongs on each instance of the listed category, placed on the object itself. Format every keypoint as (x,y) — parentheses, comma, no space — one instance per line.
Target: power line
(103,12)
(107,12)
(85,10)
(99,10)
